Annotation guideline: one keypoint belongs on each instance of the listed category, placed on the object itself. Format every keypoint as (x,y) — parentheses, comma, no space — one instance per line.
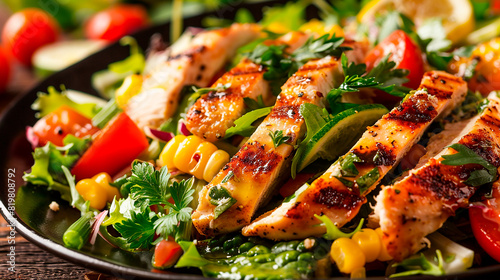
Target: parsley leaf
(220,197)
(468,156)
(139,230)
(243,125)
(384,76)
(366,181)
(278,138)
(281,65)
(147,185)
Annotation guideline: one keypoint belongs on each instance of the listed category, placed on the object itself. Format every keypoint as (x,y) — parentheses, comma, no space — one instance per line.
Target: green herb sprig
(468,156)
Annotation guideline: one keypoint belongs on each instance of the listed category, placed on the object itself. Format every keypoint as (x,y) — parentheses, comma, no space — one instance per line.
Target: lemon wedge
(457,15)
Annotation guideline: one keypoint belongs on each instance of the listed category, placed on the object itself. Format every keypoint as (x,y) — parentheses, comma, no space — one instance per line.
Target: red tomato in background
(485,224)
(116,146)
(116,22)
(167,252)
(28,30)
(5,69)
(404,52)
(61,122)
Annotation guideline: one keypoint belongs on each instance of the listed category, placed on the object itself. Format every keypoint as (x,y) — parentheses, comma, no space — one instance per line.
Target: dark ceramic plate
(45,228)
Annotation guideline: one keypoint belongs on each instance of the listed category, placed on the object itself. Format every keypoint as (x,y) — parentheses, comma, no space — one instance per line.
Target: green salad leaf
(53,99)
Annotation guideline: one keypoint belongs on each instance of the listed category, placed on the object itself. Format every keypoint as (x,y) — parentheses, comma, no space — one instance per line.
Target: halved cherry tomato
(5,69)
(116,22)
(28,30)
(404,52)
(167,252)
(61,122)
(485,223)
(486,76)
(117,145)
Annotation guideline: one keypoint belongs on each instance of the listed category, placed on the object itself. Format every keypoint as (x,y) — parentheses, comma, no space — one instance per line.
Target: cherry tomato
(4,69)
(116,22)
(61,122)
(167,252)
(485,224)
(116,146)
(486,76)
(28,30)
(404,52)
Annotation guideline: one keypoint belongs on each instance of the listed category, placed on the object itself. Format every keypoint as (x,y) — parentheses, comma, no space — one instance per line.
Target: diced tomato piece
(118,144)
(61,122)
(167,252)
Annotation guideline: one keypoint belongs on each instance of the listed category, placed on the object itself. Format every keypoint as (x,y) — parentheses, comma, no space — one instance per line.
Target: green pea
(246,246)
(285,257)
(307,256)
(258,250)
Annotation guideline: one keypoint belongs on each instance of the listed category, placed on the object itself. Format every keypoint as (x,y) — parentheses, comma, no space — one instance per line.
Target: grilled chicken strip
(215,112)
(378,150)
(258,165)
(195,63)
(421,202)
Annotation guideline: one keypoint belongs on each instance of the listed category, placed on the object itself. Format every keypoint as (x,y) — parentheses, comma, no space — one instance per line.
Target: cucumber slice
(59,55)
(338,135)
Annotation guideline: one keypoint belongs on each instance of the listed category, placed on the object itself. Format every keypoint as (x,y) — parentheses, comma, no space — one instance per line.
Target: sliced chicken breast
(195,63)
(338,194)
(216,111)
(258,166)
(421,202)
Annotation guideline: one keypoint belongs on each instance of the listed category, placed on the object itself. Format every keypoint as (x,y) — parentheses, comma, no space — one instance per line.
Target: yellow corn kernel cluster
(131,86)
(352,254)
(97,190)
(193,155)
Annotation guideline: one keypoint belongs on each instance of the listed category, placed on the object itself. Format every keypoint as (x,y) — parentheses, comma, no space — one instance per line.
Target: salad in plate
(361,143)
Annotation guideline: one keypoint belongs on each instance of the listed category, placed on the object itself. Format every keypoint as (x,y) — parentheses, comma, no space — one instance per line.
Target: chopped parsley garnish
(281,65)
(347,167)
(150,187)
(220,197)
(278,138)
(384,76)
(468,156)
(366,181)
(228,177)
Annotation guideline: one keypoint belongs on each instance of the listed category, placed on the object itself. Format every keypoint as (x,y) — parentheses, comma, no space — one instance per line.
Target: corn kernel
(103,179)
(347,255)
(200,158)
(369,242)
(168,152)
(215,163)
(185,152)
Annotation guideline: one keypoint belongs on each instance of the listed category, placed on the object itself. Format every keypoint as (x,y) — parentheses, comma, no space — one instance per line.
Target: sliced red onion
(158,134)
(183,128)
(31,137)
(105,239)
(97,224)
